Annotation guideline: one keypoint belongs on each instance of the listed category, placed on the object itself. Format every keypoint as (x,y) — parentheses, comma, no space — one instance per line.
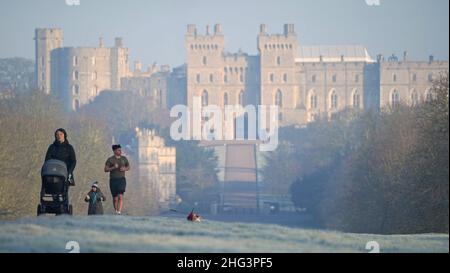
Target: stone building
(77,74)
(157,167)
(304,81)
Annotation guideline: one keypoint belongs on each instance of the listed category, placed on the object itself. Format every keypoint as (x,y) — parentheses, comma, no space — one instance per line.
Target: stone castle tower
(78,74)
(157,167)
(279,84)
(46,40)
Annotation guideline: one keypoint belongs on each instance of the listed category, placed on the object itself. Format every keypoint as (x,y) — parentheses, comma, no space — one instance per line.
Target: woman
(62,150)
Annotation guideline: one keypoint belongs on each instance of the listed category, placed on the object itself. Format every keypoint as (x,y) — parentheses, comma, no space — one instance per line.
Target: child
(95,198)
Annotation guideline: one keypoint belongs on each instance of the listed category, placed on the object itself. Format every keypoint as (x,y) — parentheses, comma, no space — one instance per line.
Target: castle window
(76,75)
(278,60)
(204,61)
(313,79)
(334,100)
(225,70)
(282,46)
(94,61)
(76,89)
(225,79)
(357,78)
(414,98)
(334,78)
(236,70)
(290,46)
(75,60)
(394,78)
(430,77)
(285,77)
(395,98)
(225,99)
(76,104)
(207,47)
(241,78)
(356,100)
(192,47)
(265,47)
(211,78)
(414,77)
(216,47)
(205,98)
(313,101)
(241,98)
(279,98)
(94,75)
(198,78)
(271,77)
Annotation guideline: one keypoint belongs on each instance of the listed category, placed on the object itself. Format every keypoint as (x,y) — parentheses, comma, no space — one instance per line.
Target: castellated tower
(46,40)
(157,168)
(205,63)
(279,85)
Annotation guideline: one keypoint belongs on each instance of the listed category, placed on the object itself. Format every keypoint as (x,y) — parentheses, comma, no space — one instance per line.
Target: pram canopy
(54,167)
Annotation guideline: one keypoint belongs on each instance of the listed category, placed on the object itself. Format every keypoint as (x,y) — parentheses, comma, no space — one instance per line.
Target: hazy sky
(154,29)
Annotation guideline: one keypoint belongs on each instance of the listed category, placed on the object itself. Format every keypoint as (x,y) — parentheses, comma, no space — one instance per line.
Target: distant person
(117,165)
(95,198)
(61,149)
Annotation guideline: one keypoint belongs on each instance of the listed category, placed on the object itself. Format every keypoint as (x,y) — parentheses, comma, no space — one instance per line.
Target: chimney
(289,29)
(262,29)
(217,29)
(118,42)
(137,66)
(431,58)
(207,30)
(405,56)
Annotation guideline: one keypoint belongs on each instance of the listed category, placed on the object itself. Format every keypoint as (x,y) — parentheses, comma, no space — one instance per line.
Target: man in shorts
(117,165)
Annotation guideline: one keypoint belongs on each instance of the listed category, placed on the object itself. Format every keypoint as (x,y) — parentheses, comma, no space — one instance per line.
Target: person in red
(193,217)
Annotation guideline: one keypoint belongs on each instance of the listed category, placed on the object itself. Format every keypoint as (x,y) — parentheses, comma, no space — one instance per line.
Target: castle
(304,81)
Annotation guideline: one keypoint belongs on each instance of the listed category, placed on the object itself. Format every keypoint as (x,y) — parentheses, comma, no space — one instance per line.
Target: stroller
(55,188)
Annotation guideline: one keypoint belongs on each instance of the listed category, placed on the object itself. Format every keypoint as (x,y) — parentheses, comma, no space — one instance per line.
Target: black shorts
(117,185)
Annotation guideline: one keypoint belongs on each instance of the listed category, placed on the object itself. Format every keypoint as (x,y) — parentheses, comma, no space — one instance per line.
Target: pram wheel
(40,210)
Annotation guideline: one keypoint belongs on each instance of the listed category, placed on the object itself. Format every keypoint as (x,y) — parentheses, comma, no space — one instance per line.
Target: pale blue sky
(154,29)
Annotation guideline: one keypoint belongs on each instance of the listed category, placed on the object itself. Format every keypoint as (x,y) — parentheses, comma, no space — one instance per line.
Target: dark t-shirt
(121,162)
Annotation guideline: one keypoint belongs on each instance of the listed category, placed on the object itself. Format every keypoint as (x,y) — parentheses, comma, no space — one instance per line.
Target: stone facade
(157,167)
(304,81)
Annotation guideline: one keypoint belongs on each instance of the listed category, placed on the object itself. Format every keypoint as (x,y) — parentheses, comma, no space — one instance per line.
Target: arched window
(204,61)
(395,98)
(225,99)
(76,75)
(313,100)
(75,60)
(334,100)
(414,77)
(76,104)
(211,78)
(394,77)
(76,89)
(271,77)
(285,77)
(241,78)
(356,99)
(241,98)
(225,78)
(205,98)
(198,78)
(278,60)
(414,98)
(279,98)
